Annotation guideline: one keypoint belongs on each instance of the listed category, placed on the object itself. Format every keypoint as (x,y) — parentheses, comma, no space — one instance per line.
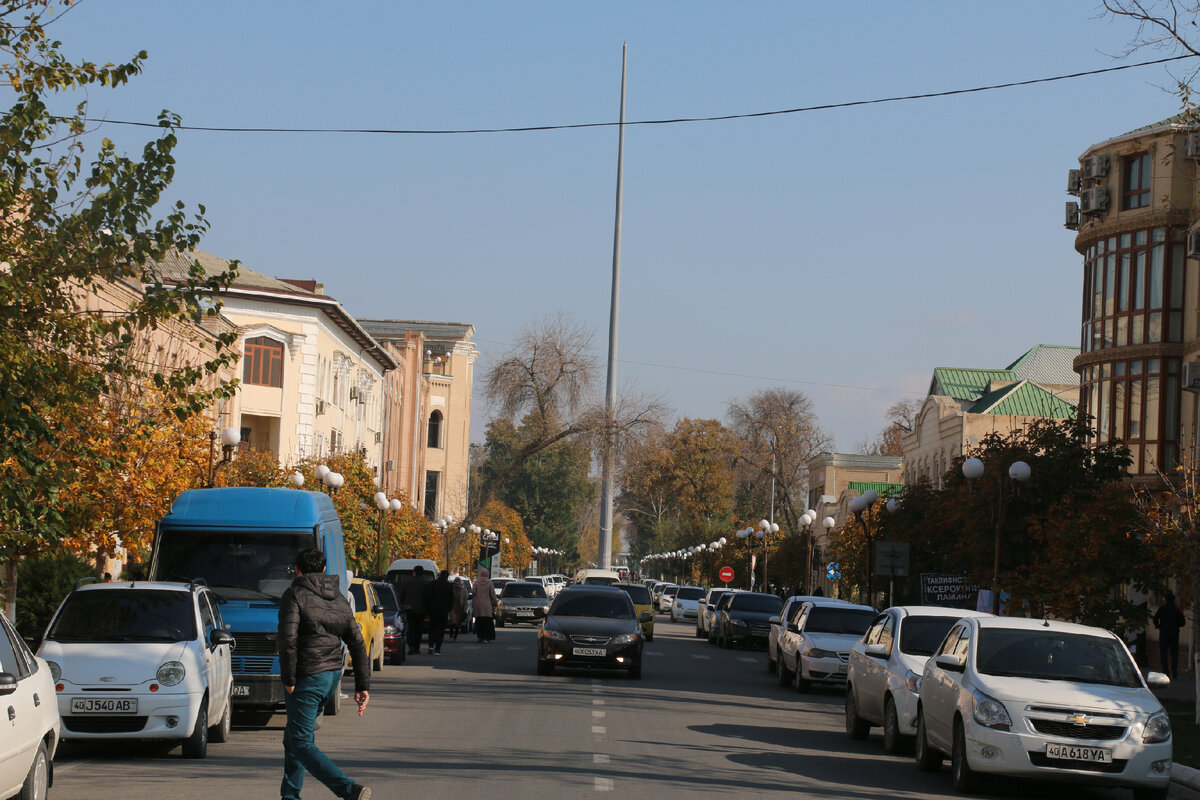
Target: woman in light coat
(483,606)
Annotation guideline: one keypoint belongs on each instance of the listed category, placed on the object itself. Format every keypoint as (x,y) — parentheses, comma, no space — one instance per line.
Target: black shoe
(359,792)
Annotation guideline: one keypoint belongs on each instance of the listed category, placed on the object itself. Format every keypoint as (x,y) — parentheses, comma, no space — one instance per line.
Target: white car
(667,598)
(706,614)
(791,607)
(29,740)
(145,660)
(885,670)
(1039,699)
(686,605)
(815,646)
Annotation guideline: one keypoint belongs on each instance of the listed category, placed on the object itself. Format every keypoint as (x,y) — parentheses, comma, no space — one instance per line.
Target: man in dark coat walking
(440,599)
(1169,619)
(413,594)
(315,619)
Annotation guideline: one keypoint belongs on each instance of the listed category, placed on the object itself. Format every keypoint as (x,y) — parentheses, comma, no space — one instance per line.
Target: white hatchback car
(686,604)
(143,660)
(29,740)
(815,647)
(885,670)
(1038,699)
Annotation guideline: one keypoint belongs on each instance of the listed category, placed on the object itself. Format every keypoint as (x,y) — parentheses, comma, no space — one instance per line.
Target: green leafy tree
(47,579)
(68,227)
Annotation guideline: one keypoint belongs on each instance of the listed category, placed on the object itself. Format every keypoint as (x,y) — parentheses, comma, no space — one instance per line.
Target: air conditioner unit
(1191,376)
(1073,181)
(1072,220)
(1191,146)
(1193,243)
(320,407)
(1094,200)
(354,393)
(1095,167)
(378,437)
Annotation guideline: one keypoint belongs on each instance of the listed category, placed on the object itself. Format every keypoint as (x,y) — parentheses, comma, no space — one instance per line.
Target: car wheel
(37,781)
(699,633)
(649,637)
(964,778)
(499,622)
(772,664)
(219,733)
(635,670)
(377,662)
(784,674)
(727,642)
(196,745)
(798,680)
(544,668)
(928,759)
(893,740)
(712,636)
(334,704)
(856,726)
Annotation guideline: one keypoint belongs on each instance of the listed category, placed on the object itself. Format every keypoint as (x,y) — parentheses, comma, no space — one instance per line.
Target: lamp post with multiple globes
(1018,473)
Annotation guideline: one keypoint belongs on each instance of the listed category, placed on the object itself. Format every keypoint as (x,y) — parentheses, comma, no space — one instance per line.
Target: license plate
(589,651)
(1072,752)
(524,613)
(104,705)
(241,691)
(842,669)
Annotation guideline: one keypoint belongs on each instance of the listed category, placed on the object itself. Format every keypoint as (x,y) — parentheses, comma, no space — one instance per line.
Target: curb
(1185,782)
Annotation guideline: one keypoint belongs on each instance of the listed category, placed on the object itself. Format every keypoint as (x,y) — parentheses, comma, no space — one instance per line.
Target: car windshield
(715,597)
(830,619)
(125,615)
(690,593)
(523,590)
(238,565)
(387,598)
(1054,655)
(593,605)
(640,595)
(920,636)
(764,603)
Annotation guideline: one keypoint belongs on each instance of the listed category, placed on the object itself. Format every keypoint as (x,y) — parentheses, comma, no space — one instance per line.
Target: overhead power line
(672,121)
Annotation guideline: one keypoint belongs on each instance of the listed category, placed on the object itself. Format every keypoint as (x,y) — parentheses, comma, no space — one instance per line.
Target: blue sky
(845,253)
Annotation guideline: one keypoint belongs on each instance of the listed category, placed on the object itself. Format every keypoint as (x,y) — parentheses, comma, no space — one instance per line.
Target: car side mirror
(8,683)
(951,662)
(219,637)
(645,616)
(876,651)
(376,610)
(774,621)
(1157,680)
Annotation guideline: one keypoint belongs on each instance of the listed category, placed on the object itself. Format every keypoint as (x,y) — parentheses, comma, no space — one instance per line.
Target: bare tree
(1163,25)
(901,415)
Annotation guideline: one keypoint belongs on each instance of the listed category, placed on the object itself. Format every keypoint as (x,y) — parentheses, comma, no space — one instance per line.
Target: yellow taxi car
(368,611)
(640,596)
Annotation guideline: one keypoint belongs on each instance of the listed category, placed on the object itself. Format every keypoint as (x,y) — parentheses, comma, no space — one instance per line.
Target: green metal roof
(1023,399)
(883,489)
(966,384)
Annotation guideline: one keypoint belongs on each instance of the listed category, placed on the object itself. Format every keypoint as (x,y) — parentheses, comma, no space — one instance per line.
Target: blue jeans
(300,752)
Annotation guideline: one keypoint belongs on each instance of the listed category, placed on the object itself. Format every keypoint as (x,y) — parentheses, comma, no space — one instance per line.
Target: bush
(42,583)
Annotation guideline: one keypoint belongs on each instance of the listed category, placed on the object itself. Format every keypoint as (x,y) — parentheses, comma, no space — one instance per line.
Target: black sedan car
(591,626)
(746,619)
(394,647)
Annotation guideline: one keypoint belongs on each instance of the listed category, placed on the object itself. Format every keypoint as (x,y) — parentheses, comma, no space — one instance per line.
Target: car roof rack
(84,581)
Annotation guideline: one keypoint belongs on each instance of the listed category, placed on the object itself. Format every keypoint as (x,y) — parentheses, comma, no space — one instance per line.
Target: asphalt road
(478,722)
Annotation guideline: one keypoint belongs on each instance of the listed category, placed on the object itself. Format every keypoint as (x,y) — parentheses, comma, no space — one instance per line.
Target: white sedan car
(885,670)
(687,602)
(815,647)
(28,741)
(141,660)
(1038,699)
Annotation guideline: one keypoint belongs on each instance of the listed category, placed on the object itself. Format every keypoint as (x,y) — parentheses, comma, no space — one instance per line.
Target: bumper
(562,654)
(518,615)
(392,642)
(1023,755)
(257,690)
(159,716)
(906,711)
(823,670)
(748,636)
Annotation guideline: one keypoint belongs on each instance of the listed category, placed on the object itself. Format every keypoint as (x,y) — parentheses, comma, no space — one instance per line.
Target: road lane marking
(599,730)
(516,647)
(702,658)
(603,784)
(600,758)
(597,702)
(746,659)
(597,715)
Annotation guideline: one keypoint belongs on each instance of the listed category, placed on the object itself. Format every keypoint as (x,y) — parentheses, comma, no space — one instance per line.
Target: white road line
(603,784)
(702,658)
(597,758)
(597,715)
(522,648)
(599,730)
(746,659)
(597,702)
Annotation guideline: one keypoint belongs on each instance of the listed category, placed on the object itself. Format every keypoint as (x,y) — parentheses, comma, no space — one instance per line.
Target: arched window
(435,429)
(263,364)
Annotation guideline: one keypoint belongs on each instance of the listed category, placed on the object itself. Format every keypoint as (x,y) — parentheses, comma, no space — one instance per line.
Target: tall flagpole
(604,556)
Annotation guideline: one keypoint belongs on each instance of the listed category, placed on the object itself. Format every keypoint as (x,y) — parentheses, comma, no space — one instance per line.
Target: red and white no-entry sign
(726,574)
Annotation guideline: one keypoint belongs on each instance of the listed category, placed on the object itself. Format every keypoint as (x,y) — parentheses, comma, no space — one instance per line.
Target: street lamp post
(1018,472)
(859,506)
(230,438)
(806,521)
(828,524)
(767,527)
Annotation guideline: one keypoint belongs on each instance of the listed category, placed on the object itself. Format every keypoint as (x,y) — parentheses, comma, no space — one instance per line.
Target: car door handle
(37,701)
(12,713)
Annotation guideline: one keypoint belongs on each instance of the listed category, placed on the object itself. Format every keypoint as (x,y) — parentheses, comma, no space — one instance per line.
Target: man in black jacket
(314,620)
(414,595)
(439,599)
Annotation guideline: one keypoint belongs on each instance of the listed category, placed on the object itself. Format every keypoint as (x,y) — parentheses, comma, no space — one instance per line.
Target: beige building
(964,405)
(312,380)
(435,468)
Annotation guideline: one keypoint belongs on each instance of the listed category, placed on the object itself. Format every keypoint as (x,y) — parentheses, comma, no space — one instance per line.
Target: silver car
(522,601)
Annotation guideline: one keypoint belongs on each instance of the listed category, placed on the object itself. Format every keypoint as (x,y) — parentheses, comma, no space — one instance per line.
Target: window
(432,479)
(1136,186)
(435,430)
(1136,402)
(263,362)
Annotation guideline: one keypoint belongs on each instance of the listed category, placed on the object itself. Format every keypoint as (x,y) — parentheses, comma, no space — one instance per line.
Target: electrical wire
(670,121)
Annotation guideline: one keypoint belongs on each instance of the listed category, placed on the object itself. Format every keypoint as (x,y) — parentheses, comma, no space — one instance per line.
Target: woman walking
(458,611)
(483,605)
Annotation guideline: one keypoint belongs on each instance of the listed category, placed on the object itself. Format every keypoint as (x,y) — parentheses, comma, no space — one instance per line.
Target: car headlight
(550,633)
(738,623)
(816,652)
(55,670)
(626,638)
(913,681)
(389,630)
(1158,728)
(171,673)
(989,712)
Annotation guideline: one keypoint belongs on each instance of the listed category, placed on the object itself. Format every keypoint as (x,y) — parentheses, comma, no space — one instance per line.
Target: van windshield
(237,565)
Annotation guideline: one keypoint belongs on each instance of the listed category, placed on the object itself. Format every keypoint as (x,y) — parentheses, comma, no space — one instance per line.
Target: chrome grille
(591,639)
(1070,730)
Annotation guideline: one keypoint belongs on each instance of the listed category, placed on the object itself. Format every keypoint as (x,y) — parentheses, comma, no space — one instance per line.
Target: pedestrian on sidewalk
(315,619)
(439,601)
(483,605)
(1169,619)
(413,595)
(458,611)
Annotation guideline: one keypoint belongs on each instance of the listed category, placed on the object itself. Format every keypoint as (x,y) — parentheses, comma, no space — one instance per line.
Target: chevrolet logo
(1079,719)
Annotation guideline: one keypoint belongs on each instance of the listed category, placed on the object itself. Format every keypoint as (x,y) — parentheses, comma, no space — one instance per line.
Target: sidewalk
(1185,781)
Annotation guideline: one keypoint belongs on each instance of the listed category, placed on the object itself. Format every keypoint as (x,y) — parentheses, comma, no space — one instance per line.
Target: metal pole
(604,557)
(771,521)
